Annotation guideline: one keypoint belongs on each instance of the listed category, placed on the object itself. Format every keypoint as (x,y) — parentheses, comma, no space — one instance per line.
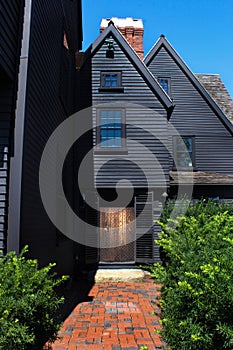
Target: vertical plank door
(116,229)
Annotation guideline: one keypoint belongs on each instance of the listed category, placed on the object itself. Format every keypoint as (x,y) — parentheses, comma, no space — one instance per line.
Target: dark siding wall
(84,101)
(73,23)
(141,124)
(11,13)
(84,87)
(11,21)
(6,115)
(193,116)
(46,108)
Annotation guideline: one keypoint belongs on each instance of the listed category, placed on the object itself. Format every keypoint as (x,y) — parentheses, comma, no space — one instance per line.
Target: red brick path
(121,316)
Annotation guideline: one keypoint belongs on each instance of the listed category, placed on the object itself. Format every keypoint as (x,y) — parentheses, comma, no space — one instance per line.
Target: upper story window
(111,130)
(184,152)
(111,82)
(165,84)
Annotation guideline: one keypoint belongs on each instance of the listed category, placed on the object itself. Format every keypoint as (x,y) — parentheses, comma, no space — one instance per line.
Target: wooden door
(116,229)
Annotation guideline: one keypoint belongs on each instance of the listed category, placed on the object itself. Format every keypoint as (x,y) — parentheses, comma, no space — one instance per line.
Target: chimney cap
(122,22)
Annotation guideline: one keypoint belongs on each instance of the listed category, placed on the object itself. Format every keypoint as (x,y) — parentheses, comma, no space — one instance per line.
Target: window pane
(114,80)
(117,142)
(110,117)
(118,133)
(184,160)
(107,81)
(184,152)
(188,143)
(164,84)
(180,145)
(111,79)
(111,128)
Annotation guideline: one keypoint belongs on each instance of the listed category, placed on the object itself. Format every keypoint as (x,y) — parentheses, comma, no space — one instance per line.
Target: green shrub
(27,303)
(197,292)
(209,207)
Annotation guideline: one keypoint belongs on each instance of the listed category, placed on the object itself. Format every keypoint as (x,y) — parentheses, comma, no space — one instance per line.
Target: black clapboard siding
(11,22)
(47,105)
(73,23)
(143,124)
(44,110)
(11,19)
(219,157)
(6,115)
(4,183)
(193,116)
(91,234)
(84,86)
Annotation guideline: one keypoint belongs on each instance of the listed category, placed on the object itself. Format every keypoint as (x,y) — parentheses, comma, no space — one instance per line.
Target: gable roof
(163,43)
(148,77)
(215,87)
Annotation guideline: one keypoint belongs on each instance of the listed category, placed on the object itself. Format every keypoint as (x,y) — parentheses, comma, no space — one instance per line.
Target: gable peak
(111,23)
(132,29)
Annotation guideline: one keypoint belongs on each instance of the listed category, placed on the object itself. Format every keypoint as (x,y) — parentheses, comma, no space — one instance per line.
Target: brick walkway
(121,316)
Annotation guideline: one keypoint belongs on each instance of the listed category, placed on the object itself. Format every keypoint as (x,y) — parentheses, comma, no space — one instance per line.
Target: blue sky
(201,31)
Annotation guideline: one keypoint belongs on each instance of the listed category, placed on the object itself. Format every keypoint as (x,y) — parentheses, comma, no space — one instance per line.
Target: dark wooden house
(140,112)
(52,34)
(130,146)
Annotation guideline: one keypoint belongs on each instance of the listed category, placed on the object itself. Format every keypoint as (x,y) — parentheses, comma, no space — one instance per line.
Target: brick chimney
(132,29)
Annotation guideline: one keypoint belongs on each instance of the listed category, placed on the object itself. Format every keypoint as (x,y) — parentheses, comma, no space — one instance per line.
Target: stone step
(120,275)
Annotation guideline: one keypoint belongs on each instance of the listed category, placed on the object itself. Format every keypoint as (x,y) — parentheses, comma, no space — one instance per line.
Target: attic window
(111,82)
(165,84)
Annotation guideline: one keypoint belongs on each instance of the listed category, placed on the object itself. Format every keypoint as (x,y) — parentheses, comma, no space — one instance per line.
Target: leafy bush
(27,303)
(197,292)
(210,207)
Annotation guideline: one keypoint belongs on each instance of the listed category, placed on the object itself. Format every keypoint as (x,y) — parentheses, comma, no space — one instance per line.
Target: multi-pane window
(184,151)
(111,129)
(165,84)
(110,79)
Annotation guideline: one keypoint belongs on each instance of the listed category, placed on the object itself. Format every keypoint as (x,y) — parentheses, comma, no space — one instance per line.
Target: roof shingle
(217,90)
